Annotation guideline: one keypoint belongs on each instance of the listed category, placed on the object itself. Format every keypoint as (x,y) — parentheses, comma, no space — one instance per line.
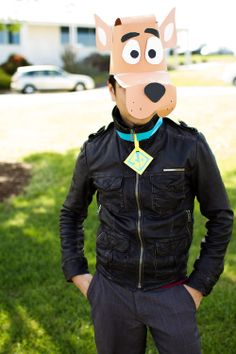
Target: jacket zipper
(139,229)
(189,215)
(99,209)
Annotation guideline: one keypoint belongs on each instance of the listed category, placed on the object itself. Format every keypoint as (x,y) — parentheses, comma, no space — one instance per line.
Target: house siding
(41,44)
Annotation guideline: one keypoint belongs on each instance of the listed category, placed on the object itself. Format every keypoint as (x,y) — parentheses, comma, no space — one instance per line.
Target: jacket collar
(121,126)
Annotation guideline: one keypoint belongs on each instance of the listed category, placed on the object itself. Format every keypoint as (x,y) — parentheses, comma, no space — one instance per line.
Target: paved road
(60,121)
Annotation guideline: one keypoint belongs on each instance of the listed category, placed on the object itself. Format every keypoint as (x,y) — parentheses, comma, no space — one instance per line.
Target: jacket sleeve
(72,215)
(214,205)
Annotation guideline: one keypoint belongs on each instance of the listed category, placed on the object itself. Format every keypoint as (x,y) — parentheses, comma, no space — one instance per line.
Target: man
(146,171)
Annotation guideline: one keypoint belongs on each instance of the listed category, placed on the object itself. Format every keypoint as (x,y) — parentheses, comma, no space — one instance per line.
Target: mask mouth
(127,80)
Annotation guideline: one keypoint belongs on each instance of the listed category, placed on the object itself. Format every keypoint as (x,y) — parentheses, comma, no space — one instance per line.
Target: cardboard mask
(138,62)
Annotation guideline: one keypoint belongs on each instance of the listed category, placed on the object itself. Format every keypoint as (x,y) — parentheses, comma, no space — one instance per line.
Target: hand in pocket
(196,295)
(82,282)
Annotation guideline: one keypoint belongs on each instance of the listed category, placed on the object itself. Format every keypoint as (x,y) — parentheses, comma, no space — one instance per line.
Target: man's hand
(196,295)
(82,282)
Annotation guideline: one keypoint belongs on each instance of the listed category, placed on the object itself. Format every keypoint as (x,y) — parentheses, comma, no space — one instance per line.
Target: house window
(13,37)
(8,36)
(65,35)
(3,36)
(86,36)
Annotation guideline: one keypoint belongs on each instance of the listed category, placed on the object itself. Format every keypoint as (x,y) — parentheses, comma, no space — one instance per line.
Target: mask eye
(154,51)
(131,52)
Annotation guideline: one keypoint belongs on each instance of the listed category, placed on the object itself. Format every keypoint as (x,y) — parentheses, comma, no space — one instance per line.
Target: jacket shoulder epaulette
(100,131)
(187,127)
(182,125)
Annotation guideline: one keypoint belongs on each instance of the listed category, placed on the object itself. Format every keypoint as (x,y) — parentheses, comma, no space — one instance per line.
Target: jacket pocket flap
(172,246)
(113,241)
(118,242)
(173,182)
(108,183)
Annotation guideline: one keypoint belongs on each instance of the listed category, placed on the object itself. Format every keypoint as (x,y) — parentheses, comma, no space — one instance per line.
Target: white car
(29,79)
(229,74)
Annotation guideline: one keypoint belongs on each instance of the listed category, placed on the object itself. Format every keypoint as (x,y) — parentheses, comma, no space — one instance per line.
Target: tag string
(136,143)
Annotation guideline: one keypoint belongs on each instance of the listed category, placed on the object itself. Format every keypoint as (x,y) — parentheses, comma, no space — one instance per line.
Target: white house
(47,27)
(44,35)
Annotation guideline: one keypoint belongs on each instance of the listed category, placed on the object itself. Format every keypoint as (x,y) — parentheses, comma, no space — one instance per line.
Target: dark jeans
(121,318)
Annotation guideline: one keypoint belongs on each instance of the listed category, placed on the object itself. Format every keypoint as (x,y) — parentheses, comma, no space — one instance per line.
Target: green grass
(208,74)
(196,78)
(39,311)
(197,58)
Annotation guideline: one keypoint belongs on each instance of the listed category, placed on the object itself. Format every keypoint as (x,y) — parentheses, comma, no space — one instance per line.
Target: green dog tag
(138,160)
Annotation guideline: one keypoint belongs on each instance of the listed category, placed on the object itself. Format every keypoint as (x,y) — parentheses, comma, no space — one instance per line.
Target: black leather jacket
(146,222)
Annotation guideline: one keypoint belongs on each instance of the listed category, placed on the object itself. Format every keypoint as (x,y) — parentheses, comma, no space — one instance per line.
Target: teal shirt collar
(141,136)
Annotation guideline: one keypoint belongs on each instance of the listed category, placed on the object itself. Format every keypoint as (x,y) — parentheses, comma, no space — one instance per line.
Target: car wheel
(234,81)
(79,86)
(29,89)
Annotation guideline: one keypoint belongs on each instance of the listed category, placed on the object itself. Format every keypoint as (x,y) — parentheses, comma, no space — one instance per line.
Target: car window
(54,73)
(30,73)
(44,73)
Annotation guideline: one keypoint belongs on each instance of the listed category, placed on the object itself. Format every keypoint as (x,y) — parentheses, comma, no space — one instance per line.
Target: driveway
(61,121)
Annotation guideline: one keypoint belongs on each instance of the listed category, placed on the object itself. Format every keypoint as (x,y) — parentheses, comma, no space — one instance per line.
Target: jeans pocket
(91,287)
(189,297)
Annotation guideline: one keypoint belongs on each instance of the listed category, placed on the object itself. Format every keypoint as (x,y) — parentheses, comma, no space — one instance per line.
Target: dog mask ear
(103,34)
(168,31)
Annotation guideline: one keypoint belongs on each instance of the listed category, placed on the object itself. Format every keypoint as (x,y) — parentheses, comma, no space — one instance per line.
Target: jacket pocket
(171,255)
(112,248)
(110,192)
(168,191)
(173,247)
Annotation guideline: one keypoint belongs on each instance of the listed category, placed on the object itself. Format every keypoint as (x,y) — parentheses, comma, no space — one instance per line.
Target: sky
(208,21)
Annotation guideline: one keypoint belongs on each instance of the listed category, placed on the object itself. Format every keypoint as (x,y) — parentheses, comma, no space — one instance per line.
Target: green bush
(69,60)
(5,80)
(13,62)
(95,65)
(98,62)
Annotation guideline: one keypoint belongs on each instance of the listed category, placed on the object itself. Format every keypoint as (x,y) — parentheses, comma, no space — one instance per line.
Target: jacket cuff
(75,267)
(201,282)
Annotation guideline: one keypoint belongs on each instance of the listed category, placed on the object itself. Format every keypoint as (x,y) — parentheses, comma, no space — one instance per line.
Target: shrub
(13,62)
(98,62)
(69,60)
(5,80)
(95,65)
(170,67)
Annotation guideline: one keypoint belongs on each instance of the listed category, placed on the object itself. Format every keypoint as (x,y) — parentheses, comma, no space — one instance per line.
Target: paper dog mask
(138,63)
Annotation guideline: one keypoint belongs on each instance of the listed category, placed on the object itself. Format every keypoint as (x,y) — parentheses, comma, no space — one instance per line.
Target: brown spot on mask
(138,62)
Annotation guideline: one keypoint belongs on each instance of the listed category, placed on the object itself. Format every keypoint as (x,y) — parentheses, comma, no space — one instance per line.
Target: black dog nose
(154,91)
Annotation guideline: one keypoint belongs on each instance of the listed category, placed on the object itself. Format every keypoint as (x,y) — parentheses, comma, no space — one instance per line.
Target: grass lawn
(209,73)
(40,312)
